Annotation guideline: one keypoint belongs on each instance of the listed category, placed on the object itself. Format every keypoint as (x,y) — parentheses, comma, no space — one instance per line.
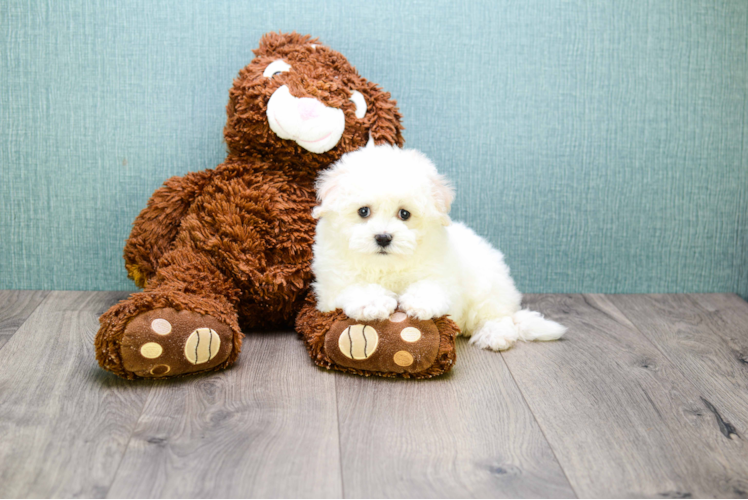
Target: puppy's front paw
(372,308)
(424,304)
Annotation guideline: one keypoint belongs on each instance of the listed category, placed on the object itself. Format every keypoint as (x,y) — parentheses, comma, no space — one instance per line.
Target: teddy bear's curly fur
(235,243)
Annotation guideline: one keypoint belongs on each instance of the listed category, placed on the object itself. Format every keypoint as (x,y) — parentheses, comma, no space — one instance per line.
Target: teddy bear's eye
(403,214)
(360,102)
(276,68)
(364,212)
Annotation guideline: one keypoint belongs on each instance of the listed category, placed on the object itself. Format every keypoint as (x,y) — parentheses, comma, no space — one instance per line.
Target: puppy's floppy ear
(327,186)
(443,194)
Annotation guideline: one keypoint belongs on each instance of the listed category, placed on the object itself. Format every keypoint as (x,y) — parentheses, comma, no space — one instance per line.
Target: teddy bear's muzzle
(312,125)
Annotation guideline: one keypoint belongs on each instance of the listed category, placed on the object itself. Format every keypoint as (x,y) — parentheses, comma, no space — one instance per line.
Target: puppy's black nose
(383,239)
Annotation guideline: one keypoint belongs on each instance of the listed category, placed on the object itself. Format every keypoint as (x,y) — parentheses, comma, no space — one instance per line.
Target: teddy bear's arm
(156,227)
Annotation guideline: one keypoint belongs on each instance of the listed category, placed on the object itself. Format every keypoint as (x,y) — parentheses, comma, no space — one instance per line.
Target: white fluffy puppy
(385,241)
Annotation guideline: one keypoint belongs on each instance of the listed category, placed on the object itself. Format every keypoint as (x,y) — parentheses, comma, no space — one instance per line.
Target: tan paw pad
(398,317)
(403,358)
(151,350)
(358,341)
(202,346)
(161,326)
(160,370)
(410,334)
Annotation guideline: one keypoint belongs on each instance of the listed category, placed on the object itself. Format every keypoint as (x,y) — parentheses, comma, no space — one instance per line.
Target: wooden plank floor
(647,396)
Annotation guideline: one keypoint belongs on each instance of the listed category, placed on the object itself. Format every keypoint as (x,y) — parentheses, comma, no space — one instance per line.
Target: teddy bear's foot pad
(166,343)
(396,345)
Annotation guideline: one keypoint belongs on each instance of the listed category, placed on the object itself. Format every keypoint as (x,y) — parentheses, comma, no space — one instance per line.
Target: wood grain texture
(64,423)
(706,337)
(621,418)
(650,403)
(265,428)
(15,307)
(467,434)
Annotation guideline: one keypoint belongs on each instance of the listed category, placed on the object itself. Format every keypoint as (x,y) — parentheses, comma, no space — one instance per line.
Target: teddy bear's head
(299,101)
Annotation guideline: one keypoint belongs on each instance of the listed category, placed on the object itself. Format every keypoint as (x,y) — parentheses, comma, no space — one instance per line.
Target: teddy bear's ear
(271,42)
(328,186)
(385,120)
(443,194)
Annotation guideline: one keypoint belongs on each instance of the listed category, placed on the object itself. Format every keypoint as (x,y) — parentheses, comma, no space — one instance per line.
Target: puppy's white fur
(432,266)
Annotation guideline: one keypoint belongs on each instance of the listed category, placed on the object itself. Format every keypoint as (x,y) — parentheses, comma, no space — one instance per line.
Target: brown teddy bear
(233,245)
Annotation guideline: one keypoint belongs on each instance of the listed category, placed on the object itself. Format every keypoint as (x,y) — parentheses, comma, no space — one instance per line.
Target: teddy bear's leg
(184,322)
(396,347)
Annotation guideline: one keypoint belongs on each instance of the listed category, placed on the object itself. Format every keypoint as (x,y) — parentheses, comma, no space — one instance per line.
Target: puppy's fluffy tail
(531,325)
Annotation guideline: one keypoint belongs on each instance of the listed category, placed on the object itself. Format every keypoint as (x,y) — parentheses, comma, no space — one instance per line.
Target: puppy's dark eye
(403,214)
(364,212)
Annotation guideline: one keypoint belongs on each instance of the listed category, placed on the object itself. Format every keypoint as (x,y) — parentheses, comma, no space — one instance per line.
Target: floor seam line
(49,293)
(340,447)
(129,440)
(540,427)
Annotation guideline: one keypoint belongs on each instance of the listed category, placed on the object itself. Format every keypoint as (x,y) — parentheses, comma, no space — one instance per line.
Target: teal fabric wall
(602,145)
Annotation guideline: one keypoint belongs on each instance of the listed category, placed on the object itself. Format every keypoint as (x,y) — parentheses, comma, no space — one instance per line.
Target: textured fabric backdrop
(601,145)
